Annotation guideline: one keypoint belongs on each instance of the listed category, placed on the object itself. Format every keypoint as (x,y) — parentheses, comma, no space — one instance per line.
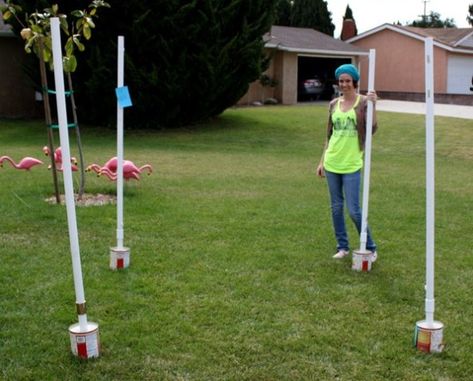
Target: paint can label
(423,340)
(429,340)
(85,344)
(119,259)
(361,261)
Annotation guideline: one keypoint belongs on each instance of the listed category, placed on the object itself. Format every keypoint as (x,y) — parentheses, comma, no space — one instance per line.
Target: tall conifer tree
(185,60)
(312,14)
(283,13)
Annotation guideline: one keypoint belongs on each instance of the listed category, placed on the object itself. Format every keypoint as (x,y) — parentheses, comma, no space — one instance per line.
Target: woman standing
(342,158)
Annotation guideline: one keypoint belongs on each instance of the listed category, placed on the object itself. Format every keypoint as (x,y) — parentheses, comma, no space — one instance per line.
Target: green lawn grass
(231,274)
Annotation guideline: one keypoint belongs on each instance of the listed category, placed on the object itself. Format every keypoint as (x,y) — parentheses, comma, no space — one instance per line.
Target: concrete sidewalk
(455,111)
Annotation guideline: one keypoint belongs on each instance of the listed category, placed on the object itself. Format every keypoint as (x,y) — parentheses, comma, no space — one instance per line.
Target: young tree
(469,18)
(37,36)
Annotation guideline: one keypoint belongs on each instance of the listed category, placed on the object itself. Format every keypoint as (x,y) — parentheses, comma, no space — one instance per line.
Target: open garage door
(315,77)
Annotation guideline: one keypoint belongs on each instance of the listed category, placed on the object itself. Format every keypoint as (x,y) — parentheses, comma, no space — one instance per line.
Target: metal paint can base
(428,337)
(85,344)
(362,260)
(119,258)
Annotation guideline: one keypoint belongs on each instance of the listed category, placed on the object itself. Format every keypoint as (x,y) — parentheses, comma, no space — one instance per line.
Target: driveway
(455,111)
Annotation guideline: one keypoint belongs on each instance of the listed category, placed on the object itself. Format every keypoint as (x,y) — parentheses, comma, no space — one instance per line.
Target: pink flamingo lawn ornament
(93,167)
(127,175)
(146,167)
(58,155)
(74,167)
(111,167)
(26,163)
(111,164)
(58,159)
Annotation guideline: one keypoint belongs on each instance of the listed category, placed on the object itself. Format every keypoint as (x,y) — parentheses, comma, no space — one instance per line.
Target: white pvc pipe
(67,170)
(367,163)
(430,180)
(120,81)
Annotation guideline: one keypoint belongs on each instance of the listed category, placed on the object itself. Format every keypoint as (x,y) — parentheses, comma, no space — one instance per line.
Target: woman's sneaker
(374,256)
(341,254)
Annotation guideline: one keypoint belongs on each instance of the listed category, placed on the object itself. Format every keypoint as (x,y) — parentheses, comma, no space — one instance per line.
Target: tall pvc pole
(367,164)
(84,335)
(430,180)
(362,258)
(120,81)
(68,184)
(429,333)
(120,255)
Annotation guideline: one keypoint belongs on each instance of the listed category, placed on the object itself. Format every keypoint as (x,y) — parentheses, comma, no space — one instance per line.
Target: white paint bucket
(362,260)
(119,258)
(85,344)
(428,337)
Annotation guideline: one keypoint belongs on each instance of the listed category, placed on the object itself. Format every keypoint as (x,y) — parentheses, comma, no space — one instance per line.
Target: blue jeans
(347,184)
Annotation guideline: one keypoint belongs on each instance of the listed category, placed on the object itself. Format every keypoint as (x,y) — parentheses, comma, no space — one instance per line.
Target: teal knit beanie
(349,69)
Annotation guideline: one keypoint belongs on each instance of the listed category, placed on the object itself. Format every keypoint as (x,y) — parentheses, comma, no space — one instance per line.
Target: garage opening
(316,78)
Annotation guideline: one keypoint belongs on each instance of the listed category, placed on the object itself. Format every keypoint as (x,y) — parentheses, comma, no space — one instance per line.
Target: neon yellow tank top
(343,154)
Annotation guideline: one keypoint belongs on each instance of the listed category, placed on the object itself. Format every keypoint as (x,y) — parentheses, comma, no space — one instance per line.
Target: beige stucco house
(300,53)
(297,54)
(400,62)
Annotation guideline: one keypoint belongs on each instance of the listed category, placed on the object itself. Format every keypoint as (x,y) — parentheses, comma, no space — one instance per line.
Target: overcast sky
(369,14)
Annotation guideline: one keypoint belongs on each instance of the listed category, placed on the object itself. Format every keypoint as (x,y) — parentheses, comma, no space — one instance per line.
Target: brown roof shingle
(307,40)
(449,36)
(454,39)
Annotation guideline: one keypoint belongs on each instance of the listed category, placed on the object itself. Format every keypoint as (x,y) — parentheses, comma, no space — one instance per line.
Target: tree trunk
(79,142)
(47,116)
